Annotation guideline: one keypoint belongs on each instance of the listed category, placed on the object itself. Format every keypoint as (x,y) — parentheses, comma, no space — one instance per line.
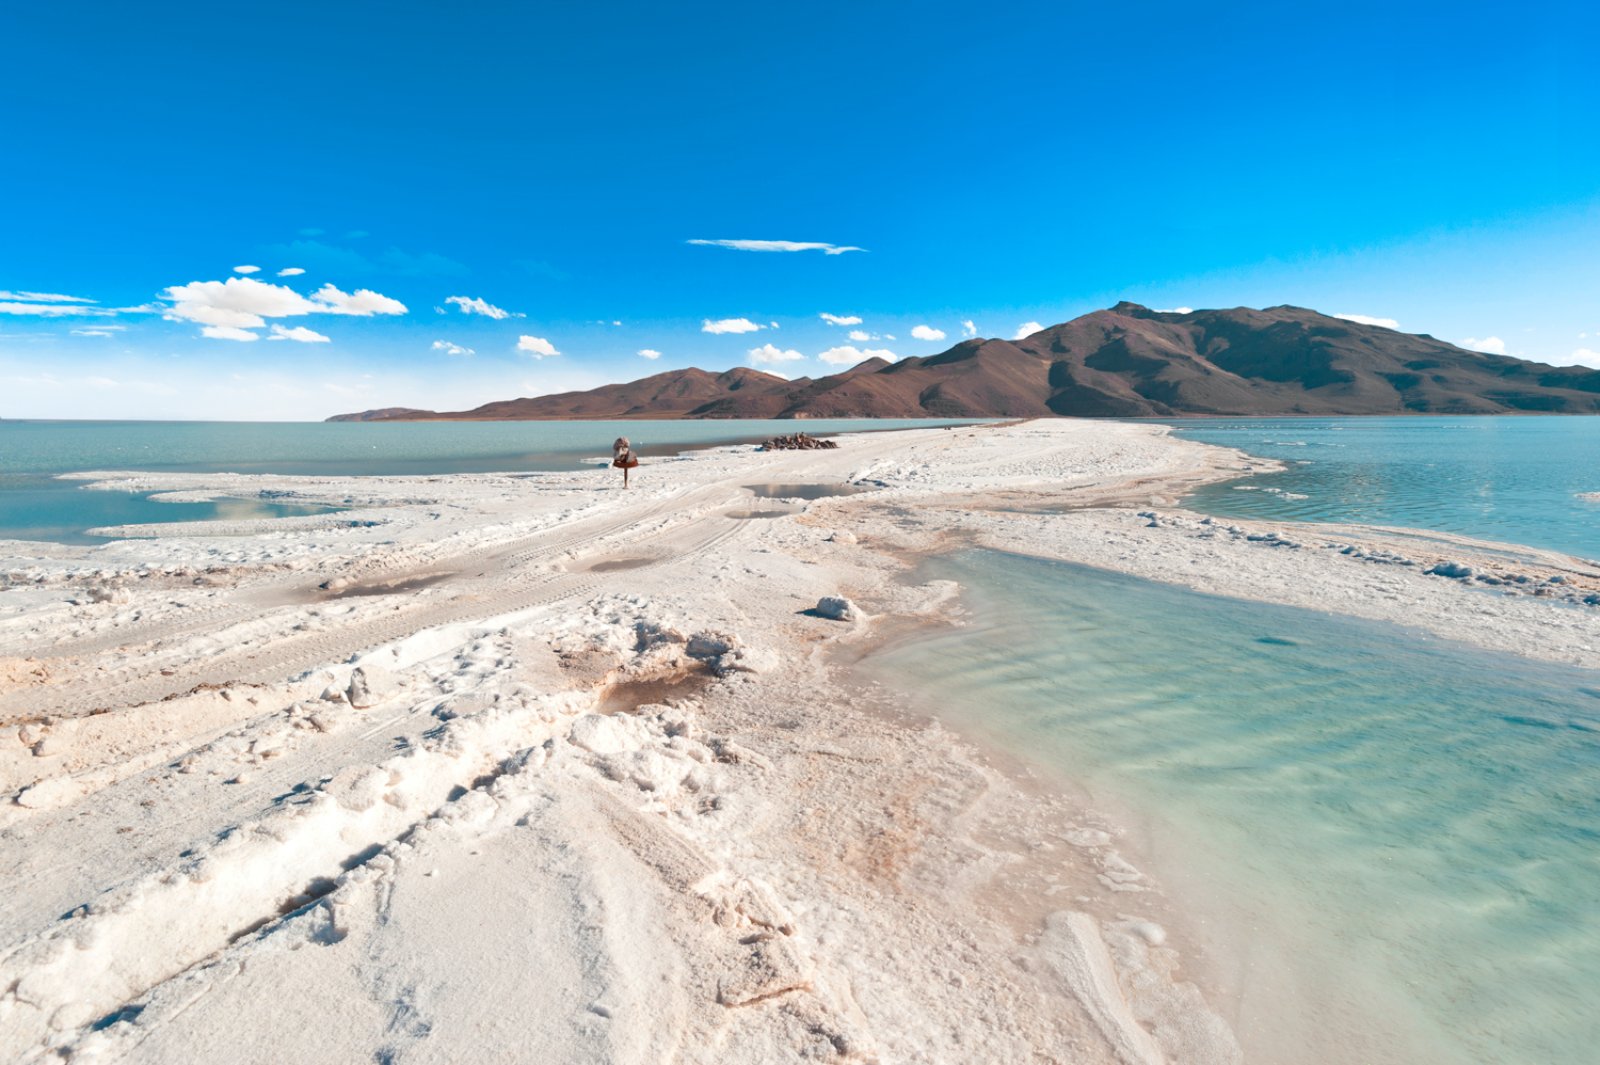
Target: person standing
(623,458)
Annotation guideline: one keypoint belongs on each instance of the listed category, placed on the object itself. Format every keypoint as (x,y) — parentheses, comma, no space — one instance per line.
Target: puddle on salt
(804,491)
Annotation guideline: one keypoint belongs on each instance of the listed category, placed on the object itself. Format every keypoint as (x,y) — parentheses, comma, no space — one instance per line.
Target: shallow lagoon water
(41,508)
(1526,479)
(33,505)
(1392,840)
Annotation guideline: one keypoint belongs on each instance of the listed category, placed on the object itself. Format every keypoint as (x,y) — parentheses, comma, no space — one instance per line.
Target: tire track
(253,601)
(284,656)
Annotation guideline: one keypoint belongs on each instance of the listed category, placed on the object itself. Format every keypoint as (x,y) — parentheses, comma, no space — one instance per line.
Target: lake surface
(1520,479)
(35,505)
(1394,840)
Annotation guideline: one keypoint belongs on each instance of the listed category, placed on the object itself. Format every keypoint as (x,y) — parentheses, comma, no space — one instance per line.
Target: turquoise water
(1393,840)
(1517,479)
(40,508)
(34,505)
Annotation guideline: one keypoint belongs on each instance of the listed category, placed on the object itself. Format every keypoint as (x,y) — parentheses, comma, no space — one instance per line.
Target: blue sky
(1433,164)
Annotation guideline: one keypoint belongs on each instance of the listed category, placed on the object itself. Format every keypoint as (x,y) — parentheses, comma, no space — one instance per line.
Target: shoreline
(64,483)
(538,615)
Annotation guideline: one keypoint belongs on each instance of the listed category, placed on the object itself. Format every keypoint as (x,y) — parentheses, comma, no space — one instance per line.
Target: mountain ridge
(1123,361)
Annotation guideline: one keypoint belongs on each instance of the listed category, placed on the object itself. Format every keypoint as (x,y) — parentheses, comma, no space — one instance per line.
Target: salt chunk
(598,734)
(837,608)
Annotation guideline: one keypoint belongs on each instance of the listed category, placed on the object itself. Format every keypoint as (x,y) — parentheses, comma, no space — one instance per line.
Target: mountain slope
(674,394)
(1127,361)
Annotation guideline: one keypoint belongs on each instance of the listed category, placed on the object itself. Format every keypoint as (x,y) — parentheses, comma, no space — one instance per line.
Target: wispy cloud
(290,271)
(469,305)
(840,319)
(780,245)
(53,310)
(861,335)
(927,332)
(848,355)
(247,269)
(56,305)
(969,328)
(99,331)
(228,332)
(729,325)
(649,353)
(452,349)
(1367,319)
(1190,310)
(538,347)
(1488,345)
(771,354)
(298,333)
(44,297)
(1584,357)
(1027,329)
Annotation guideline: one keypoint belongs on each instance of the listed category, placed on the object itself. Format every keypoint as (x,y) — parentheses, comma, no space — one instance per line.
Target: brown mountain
(1127,361)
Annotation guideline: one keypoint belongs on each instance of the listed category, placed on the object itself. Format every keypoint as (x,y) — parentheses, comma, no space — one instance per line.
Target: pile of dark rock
(798,442)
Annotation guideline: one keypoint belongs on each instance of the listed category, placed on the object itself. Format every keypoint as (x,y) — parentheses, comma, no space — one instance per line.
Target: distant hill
(1128,361)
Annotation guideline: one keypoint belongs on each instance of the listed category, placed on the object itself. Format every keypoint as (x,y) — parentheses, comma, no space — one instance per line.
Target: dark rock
(798,442)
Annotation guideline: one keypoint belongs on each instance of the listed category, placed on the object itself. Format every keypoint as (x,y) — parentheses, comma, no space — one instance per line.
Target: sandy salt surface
(529,768)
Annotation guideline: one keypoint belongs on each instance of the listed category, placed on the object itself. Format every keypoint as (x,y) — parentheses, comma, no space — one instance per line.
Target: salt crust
(428,779)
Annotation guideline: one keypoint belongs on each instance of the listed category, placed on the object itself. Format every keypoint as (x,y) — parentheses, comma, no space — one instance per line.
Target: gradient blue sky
(1434,164)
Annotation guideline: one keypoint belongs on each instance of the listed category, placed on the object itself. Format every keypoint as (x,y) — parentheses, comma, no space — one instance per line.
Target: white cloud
(1583,357)
(103,331)
(290,271)
(728,325)
(1190,310)
(238,303)
(227,332)
(1367,319)
(1488,345)
(847,355)
(363,302)
(840,319)
(780,245)
(969,328)
(768,354)
(1027,329)
(649,353)
(44,297)
(927,332)
(247,269)
(861,336)
(451,349)
(470,305)
(538,347)
(300,333)
(242,303)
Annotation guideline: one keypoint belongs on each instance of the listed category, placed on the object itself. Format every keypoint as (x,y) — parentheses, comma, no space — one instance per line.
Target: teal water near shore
(35,505)
(1393,841)
(1527,479)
